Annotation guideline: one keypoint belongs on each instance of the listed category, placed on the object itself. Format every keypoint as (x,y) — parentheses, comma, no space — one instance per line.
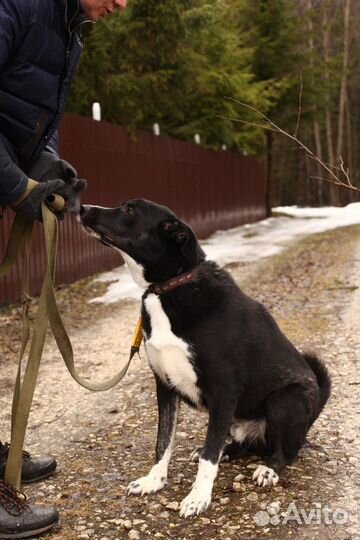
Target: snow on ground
(248,242)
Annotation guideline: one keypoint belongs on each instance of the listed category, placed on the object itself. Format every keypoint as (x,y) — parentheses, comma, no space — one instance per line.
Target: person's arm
(13,181)
(53,145)
(15,17)
(55,176)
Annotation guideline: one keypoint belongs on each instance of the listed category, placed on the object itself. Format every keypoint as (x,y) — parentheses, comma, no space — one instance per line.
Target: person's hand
(29,204)
(50,167)
(73,185)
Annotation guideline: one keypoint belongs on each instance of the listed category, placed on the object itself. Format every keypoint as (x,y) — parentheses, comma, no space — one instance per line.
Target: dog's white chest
(169,356)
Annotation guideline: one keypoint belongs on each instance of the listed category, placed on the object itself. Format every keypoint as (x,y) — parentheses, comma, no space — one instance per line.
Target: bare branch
(339,183)
(270,125)
(345,173)
(329,165)
(255,124)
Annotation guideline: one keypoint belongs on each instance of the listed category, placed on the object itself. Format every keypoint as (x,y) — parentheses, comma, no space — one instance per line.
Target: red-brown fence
(209,190)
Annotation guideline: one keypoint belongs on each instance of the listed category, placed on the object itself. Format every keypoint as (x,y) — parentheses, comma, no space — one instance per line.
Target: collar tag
(137,339)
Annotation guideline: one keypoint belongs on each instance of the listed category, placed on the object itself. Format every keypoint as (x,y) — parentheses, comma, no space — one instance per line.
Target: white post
(197,138)
(156,129)
(96,111)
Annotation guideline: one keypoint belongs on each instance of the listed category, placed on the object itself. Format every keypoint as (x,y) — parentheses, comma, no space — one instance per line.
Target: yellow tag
(138,335)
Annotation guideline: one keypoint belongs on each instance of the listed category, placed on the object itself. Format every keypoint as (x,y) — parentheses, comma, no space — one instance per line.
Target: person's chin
(95,16)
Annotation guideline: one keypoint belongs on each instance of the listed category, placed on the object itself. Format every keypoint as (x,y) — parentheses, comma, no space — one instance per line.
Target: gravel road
(102,441)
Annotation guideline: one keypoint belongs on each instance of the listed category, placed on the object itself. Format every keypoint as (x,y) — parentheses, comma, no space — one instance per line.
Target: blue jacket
(40,45)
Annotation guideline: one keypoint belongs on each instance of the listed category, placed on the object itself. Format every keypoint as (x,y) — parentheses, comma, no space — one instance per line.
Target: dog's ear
(180,233)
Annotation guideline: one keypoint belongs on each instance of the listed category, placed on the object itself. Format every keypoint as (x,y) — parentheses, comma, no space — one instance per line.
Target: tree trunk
(349,147)
(328,120)
(269,150)
(343,84)
(316,126)
(319,169)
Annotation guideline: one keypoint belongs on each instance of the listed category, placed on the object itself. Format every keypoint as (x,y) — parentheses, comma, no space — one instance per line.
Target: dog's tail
(323,379)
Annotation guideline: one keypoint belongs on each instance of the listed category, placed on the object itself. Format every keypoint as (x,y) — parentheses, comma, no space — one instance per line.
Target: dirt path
(103,441)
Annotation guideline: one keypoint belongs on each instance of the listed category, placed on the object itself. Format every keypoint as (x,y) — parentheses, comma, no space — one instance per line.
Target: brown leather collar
(172,283)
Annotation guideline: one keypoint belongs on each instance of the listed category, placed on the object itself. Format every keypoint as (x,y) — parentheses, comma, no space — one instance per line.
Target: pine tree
(281,64)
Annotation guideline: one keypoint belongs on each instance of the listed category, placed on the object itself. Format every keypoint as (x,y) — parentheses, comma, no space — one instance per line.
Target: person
(40,45)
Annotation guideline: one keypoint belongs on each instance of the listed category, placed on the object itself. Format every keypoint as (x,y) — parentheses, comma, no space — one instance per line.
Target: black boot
(18,519)
(33,469)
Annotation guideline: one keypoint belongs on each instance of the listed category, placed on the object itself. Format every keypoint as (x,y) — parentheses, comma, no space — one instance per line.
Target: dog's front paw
(196,502)
(265,476)
(147,484)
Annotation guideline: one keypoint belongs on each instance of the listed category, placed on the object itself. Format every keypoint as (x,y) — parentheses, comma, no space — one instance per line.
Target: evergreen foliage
(173,62)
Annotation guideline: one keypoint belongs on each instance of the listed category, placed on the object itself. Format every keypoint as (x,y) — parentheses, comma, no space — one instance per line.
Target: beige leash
(47,312)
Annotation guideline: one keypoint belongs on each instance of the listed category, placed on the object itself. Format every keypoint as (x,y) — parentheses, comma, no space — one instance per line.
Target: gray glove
(30,207)
(50,167)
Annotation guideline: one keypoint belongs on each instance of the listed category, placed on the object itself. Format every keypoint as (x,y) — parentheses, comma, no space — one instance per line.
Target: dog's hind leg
(248,438)
(231,452)
(199,498)
(168,405)
(287,421)
(235,450)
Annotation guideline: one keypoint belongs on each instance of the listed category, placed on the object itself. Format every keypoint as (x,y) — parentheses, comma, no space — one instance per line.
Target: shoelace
(14,502)
(4,451)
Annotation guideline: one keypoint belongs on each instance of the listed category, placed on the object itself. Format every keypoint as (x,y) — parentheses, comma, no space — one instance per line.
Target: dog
(215,348)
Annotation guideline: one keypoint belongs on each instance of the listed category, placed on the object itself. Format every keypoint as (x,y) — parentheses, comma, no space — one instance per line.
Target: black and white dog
(213,347)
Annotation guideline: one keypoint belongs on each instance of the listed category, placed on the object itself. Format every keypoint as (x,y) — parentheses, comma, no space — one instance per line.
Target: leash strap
(47,311)
(61,337)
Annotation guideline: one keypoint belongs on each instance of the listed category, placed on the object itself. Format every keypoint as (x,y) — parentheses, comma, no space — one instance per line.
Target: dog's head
(152,240)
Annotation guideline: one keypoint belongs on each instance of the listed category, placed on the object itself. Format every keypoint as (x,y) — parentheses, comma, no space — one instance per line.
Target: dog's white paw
(265,476)
(147,484)
(196,502)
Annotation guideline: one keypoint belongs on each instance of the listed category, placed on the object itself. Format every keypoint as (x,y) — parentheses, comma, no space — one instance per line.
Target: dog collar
(172,283)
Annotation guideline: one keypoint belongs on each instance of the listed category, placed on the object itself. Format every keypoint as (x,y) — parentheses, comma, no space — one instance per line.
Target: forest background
(187,65)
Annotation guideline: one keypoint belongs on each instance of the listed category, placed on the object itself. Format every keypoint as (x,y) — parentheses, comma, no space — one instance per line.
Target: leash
(47,312)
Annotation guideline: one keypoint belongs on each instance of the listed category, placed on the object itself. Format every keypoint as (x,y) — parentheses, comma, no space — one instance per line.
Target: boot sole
(37,479)
(33,479)
(27,533)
